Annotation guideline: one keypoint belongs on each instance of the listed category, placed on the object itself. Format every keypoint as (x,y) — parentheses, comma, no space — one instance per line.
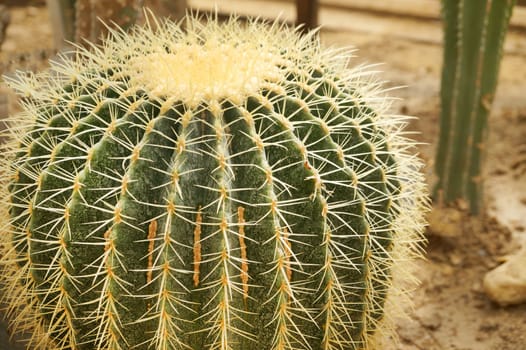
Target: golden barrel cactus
(222,186)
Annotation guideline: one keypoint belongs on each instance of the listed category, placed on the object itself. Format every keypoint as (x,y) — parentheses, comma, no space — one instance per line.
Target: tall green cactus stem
(223,187)
(83,21)
(90,15)
(62,19)
(474,37)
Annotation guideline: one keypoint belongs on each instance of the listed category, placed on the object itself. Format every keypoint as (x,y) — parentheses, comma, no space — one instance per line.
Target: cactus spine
(223,187)
(474,37)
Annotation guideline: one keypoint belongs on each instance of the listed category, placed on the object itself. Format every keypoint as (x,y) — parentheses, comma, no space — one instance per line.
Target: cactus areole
(222,186)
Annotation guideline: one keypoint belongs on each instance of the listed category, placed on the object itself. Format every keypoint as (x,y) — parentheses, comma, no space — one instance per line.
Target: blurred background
(451,310)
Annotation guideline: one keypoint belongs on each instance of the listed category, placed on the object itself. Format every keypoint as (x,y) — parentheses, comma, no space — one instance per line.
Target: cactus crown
(224,186)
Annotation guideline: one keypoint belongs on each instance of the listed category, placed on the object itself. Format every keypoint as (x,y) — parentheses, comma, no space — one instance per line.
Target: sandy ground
(451,311)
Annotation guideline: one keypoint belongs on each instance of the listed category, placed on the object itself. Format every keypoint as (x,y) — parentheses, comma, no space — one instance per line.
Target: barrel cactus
(221,186)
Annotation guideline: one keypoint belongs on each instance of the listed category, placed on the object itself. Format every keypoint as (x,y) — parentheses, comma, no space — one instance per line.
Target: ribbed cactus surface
(224,186)
(474,33)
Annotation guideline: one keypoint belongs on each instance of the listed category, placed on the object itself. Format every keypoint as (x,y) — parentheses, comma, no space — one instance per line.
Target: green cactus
(83,21)
(474,37)
(229,186)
